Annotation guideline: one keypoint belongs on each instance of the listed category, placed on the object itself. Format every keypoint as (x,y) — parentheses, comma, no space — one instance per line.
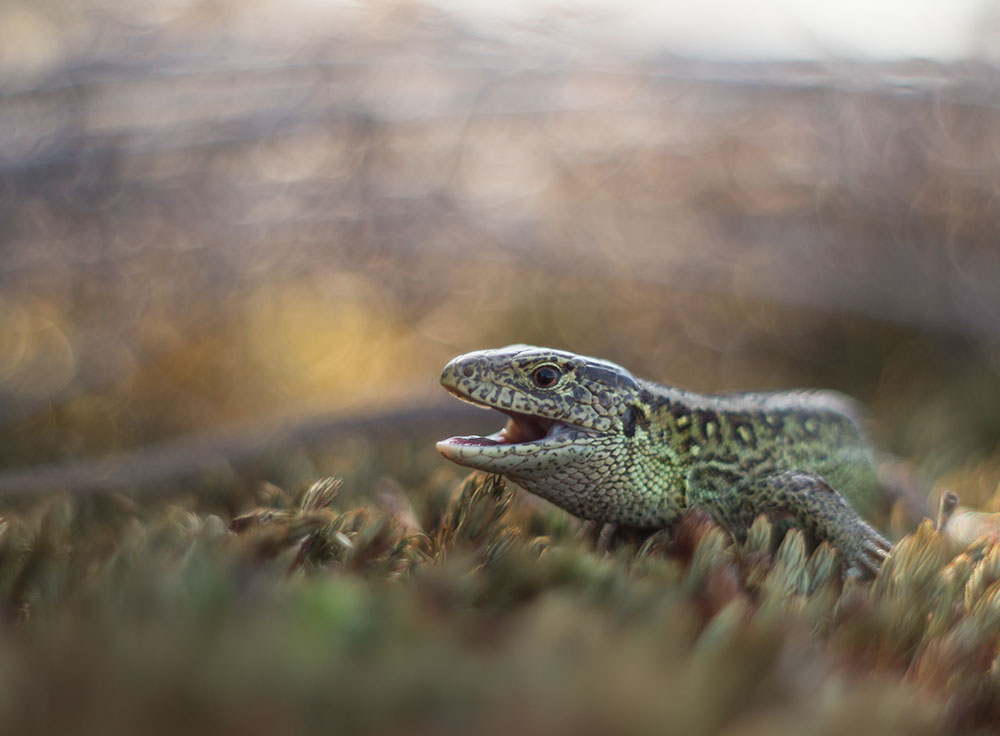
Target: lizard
(612,448)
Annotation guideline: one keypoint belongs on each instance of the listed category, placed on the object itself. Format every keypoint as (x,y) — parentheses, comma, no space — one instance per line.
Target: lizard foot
(864,550)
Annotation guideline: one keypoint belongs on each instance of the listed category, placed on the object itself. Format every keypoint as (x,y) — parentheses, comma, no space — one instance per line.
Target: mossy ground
(474,609)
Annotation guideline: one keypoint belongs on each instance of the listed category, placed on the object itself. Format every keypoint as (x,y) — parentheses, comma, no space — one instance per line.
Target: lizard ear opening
(629,418)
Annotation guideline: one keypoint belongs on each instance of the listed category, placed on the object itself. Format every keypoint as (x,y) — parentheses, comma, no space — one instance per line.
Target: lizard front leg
(734,500)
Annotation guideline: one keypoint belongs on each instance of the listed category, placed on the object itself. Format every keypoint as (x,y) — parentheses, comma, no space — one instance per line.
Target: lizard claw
(868,551)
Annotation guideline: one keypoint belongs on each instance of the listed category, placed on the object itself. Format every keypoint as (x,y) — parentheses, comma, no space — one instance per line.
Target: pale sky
(944,30)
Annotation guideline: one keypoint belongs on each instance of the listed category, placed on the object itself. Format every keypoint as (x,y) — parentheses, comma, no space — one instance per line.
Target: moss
(297,614)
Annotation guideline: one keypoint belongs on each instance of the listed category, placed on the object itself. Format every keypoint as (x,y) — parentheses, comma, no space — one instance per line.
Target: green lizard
(606,446)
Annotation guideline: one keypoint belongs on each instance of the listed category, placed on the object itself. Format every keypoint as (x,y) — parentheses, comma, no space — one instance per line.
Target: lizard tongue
(524,428)
(519,428)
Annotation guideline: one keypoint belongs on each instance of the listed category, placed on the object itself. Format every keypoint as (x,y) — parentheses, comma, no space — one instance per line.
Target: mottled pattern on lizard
(609,447)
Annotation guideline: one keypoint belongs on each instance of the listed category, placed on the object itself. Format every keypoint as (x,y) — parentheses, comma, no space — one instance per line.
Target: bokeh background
(222,220)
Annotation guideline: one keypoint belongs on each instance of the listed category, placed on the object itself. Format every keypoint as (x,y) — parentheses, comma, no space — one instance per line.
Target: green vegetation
(472,609)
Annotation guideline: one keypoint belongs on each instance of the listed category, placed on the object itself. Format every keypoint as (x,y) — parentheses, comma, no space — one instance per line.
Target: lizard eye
(546,376)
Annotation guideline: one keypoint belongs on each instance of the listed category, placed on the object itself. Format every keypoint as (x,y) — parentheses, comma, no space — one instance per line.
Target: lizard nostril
(468,370)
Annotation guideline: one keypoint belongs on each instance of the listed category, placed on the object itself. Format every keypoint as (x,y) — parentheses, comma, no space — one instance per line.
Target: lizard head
(563,409)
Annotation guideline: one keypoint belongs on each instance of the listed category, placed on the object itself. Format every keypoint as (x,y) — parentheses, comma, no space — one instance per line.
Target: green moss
(491,615)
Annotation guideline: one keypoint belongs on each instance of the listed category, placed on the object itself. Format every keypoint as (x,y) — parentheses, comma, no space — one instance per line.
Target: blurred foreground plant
(486,613)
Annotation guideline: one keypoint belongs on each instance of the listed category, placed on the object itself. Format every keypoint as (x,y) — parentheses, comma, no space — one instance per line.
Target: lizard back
(764,432)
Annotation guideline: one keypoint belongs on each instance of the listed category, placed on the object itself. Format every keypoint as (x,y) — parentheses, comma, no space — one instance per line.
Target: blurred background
(241,238)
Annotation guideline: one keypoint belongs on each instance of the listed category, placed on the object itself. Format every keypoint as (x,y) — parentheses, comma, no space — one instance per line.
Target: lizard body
(609,447)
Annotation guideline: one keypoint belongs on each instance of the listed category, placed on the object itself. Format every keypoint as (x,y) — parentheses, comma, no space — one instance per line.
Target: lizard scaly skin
(606,446)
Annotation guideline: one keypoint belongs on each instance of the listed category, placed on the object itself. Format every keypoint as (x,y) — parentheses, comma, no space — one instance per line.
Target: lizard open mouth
(520,428)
